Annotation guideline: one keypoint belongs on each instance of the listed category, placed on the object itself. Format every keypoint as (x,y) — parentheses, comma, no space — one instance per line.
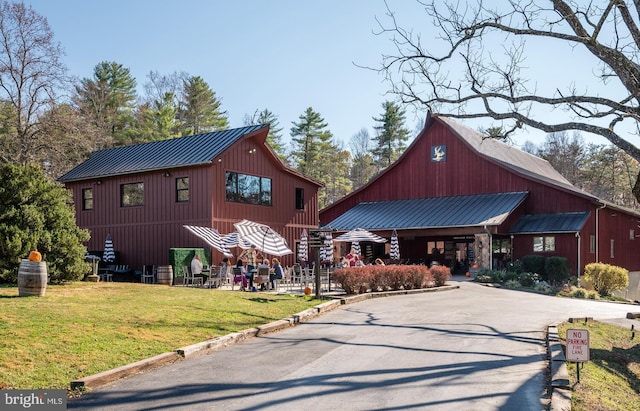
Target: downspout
(578,268)
(490,247)
(598,232)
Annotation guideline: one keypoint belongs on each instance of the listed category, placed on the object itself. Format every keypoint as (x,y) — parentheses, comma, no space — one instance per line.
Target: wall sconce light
(480,244)
(98,182)
(166,174)
(219,160)
(252,150)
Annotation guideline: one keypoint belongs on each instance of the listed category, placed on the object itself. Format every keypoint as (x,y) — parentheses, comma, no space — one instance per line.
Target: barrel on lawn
(32,278)
(165,275)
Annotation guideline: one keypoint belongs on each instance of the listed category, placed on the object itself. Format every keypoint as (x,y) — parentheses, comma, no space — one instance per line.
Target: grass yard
(84,328)
(611,379)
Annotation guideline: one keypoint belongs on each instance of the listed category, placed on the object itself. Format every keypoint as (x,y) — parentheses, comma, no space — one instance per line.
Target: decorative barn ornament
(35,256)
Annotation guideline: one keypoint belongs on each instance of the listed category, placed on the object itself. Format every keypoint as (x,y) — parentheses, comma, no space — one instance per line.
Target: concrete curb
(209,346)
(560,388)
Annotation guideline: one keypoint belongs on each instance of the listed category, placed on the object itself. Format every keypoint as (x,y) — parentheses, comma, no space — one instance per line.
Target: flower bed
(374,278)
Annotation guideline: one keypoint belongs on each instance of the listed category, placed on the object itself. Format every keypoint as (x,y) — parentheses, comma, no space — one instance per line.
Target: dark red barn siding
(467,171)
(144,234)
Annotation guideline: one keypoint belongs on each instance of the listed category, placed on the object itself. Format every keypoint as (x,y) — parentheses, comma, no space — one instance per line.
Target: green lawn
(84,328)
(611,379)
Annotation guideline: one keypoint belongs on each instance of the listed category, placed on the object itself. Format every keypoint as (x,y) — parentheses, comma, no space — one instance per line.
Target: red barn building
(457,197)
(143,194)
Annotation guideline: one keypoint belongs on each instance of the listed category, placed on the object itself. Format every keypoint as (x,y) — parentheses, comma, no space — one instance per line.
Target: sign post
(577,347)
(316,241)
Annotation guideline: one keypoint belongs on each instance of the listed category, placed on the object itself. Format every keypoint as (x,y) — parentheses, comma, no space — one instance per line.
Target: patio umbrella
(234,240)
(394,251)
(356,248)
(211,236)
(263,237)
(326,252)
(303,248)
(360,234)
(109,255)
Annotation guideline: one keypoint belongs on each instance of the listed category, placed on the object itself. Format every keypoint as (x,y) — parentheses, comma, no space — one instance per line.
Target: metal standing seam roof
(550,223)
(157,155)
(440,212)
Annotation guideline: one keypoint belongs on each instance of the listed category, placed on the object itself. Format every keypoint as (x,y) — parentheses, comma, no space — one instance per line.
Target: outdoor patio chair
(148,274)
(189,279)
(238,278)
(214,277)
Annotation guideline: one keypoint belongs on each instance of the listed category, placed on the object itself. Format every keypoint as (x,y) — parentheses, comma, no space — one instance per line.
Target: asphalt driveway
(471,348)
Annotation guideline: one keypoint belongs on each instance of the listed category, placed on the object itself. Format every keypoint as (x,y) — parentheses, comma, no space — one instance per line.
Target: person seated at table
(243,275)
(264,264)
(352,258)
(196,268)
(276,272)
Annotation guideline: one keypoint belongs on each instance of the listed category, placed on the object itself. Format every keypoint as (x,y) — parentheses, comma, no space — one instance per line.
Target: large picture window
(87,198)
(541,244)
(132,195)
(182,189)
(244,188)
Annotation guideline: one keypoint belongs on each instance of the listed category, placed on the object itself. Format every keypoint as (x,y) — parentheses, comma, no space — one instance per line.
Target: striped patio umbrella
(394,251)
(326,252)
(303,247)
(360,234)
(234,240)
(265,238)
(211,236)
(356,248)
(109,254)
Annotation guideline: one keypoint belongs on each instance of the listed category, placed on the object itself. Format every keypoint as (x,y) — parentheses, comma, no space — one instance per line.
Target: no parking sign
(577,345)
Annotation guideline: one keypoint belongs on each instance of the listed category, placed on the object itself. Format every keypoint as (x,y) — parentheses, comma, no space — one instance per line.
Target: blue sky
(283,55)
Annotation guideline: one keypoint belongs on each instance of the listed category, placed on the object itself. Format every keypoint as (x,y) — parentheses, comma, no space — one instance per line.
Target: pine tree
(309,139)
(200,111)
(274,138)
(391,135)
(108,100)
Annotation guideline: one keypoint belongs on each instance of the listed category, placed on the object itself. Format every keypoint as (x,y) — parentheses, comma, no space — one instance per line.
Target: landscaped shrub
(483,278)
(556,269)
(579,293)
(498,276)
(514,266)
(441,274)
(512,284)
(358,280)
(533,264)
(606,278)
(528,279)
(510,275)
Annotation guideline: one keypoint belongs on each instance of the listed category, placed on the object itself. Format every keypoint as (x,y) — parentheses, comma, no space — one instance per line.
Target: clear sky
(282,55)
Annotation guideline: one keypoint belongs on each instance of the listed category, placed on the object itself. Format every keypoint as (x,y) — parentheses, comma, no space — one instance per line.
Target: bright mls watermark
(38,400)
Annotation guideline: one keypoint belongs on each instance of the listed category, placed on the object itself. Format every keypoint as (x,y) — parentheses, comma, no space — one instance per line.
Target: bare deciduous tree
(477,62)
(30,74)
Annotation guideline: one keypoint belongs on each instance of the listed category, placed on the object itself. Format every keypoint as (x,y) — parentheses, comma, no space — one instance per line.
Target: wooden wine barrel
(165,274)
(32,278)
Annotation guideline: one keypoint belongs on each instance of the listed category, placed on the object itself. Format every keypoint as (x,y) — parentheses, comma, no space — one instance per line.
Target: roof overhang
(480,210)
(553,223)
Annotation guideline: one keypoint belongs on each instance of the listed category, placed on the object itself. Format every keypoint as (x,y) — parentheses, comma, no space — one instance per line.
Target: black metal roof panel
(440,212)
(550,223)
(156,155)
